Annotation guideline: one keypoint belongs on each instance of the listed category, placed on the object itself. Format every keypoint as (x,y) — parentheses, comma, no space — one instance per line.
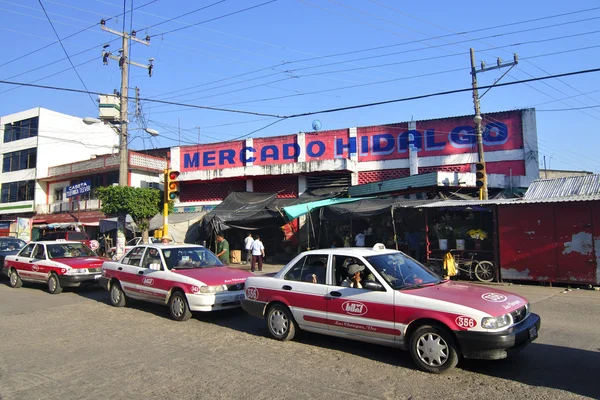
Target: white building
(44,152)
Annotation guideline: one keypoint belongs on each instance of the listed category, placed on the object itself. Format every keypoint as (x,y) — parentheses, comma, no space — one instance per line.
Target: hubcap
(13,278)
(115,294)
(432,349)
(279,322)
(177,306)
(52,284)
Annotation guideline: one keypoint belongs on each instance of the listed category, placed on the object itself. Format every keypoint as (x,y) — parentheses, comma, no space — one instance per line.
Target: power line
(70,36)
(569,109)
(216,18)
(436,94)
(182,15)
(65,50)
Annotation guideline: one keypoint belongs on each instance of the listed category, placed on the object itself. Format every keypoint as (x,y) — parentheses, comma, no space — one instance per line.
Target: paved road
(75,346)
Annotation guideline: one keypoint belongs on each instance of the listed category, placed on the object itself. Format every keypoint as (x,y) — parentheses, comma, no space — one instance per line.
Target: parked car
(59,264)
(131,243)
(397,302)
(185,277)
(71,236)
(10,246)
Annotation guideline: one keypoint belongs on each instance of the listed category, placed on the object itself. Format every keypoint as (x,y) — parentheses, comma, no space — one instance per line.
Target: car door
(304,287)
(367,311)
(129,273)
(37,263)
(153,283)
(21,263)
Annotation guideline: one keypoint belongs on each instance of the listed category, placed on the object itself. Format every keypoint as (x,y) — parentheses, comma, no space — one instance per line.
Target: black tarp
(253,211)
(367,208)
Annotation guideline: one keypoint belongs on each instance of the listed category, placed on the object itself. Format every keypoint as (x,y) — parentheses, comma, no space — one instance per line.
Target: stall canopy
(111,223)
(295,211)
(183,227)
(366,208)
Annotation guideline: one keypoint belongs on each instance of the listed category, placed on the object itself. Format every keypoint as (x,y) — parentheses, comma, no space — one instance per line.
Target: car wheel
(484,271)
(433,349)
(178,306)
(280,322)
(117,296)
(54,284)
(14,279)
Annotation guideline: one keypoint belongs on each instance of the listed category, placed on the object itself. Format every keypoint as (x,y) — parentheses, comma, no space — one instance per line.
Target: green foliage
(141,204)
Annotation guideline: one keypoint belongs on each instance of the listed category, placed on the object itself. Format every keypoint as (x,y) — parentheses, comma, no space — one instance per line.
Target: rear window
(77,236)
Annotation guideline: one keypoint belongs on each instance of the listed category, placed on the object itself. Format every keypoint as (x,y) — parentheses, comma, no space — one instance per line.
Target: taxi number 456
(466,322)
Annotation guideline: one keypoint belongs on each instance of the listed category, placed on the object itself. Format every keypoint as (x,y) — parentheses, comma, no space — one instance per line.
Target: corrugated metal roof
(573,186)
(392,185)
(505,202)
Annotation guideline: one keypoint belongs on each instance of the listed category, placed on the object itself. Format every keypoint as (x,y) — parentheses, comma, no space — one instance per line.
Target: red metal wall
(550,242)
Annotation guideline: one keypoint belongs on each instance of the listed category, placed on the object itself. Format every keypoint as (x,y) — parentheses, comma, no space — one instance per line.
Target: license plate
(533,333)
(239,296)
(97,276)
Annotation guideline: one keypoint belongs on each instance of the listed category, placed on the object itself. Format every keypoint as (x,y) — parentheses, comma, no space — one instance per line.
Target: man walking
(248,246)
(222,249)
(258,252)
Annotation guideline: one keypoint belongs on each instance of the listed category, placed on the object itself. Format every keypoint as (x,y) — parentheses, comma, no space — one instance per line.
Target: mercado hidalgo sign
(441,137)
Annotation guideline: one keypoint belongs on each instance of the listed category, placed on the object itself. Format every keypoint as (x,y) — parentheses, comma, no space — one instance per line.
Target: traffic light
(480,175)
(171,185)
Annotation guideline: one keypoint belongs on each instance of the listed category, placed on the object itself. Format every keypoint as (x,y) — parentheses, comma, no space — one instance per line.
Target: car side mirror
(155,266)
(370,285)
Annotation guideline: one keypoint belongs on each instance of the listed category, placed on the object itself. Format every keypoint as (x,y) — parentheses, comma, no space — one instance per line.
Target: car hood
(492,301)
(215,276)
(83,262)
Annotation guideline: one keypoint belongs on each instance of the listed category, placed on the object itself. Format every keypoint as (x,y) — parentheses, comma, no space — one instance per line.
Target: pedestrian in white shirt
(359,240)
(258,252)
(248,246)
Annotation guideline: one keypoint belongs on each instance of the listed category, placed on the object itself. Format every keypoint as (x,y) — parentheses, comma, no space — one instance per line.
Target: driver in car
(354,276)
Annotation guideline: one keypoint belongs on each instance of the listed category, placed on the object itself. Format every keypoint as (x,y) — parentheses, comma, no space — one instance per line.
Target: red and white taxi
(58,263)
(185,277)
(383,296)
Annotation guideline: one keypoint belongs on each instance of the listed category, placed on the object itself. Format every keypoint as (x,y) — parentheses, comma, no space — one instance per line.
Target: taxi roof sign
(379,246)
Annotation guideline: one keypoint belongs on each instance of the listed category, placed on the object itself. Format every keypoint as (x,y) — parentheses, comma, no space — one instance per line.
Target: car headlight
(77,271)
(496,322)
(211,289)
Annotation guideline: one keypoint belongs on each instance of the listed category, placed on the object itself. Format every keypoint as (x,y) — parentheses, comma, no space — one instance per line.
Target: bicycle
(482,270)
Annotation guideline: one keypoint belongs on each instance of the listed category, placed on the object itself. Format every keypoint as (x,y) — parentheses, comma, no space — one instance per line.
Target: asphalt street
(76,346)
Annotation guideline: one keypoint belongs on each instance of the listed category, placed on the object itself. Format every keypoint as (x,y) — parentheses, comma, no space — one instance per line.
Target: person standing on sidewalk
(258,252)
(248,246)
(222,249)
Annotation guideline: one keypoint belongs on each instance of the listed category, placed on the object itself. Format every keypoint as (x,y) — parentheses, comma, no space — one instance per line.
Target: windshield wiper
(408,286)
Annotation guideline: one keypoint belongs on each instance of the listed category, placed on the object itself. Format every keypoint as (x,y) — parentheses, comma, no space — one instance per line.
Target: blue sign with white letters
(79,188)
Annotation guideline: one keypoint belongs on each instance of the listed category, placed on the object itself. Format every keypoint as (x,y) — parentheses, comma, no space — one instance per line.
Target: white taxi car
(185,277)
(383,296)
(58,263)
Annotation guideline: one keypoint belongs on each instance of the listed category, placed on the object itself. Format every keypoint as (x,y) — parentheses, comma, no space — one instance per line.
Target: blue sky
(287,57)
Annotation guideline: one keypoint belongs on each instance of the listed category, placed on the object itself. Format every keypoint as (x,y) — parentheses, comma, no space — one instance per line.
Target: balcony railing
(69,206)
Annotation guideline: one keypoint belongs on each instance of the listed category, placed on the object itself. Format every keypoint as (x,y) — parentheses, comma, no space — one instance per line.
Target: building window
(21,129)
(17,191)
(58,194)
(19,160)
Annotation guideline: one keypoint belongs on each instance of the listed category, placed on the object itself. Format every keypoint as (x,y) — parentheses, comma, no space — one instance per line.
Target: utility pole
(483,192)
(124,63)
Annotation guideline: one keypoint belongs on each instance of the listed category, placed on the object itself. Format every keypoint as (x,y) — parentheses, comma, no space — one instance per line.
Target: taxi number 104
(466,322)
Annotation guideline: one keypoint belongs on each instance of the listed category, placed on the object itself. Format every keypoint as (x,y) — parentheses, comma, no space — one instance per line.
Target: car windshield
(190,257)
(69,250)
(401,272)
(11,245)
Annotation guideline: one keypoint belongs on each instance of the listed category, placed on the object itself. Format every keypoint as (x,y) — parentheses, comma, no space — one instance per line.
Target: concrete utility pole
(483,194)
(124,64)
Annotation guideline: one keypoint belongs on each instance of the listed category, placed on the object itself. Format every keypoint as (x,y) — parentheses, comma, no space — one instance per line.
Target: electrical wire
(70,36)
(182,15)
(216,18)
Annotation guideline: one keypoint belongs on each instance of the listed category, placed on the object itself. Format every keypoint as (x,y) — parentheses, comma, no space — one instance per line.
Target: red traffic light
(173,175)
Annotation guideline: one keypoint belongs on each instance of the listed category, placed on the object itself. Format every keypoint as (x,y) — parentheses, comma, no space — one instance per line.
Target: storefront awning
(84,217)
(293,212)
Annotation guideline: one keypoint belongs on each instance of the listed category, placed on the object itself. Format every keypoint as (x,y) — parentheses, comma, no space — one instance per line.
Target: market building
(413,159)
